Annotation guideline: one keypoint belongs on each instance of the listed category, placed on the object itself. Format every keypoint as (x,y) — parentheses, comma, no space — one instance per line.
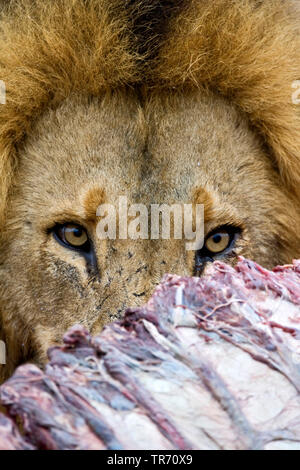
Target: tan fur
(206,117)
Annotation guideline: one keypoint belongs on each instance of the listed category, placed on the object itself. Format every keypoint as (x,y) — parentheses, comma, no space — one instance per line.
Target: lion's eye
(218,242)
(72,235)
(75,237)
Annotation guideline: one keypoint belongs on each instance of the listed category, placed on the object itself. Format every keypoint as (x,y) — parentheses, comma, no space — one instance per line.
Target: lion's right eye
(73,236)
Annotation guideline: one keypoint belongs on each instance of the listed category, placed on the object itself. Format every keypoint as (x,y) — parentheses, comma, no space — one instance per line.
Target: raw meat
(10,438)
(209,363)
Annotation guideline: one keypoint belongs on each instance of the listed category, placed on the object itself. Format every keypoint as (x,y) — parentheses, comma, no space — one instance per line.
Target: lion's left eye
(218,242)
(72,235)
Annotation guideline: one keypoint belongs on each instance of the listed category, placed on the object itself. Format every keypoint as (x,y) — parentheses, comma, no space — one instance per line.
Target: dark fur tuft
(150,21)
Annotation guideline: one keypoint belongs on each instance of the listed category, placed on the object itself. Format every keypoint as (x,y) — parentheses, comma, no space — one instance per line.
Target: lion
(182,102)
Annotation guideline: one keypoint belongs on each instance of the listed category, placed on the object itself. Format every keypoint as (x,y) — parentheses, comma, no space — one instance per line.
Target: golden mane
(246,50)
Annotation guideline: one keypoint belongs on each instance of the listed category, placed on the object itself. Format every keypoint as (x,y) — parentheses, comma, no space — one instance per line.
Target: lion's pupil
(217,238)
(77,232)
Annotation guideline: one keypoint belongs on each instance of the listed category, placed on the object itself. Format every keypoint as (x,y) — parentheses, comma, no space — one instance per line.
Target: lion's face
(180,148)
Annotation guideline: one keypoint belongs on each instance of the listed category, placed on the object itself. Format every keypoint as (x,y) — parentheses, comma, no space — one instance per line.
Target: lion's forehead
(162,150)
